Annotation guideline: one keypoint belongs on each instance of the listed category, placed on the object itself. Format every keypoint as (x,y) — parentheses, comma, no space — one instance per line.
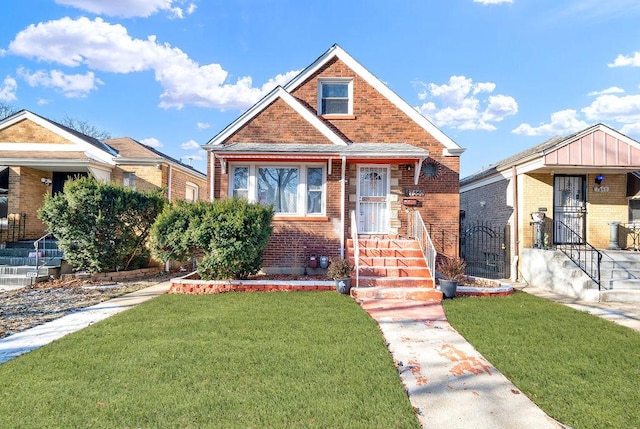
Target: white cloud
(458,107)
(486,2)
(203,125)
(108,48)
(43,101)
(151,142)
(71,85)
(190,144)
(624,109)
(624,60)
(611,90)
(632,130)
(8,89)
(562,123)
(131,8)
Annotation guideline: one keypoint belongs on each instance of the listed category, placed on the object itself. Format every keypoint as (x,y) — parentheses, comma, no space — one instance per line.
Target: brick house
(333,141)
(583,188)
(38,155)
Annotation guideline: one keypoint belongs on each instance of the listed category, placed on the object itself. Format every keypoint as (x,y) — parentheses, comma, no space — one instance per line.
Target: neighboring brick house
(584,181)
(332,141)
(38,155)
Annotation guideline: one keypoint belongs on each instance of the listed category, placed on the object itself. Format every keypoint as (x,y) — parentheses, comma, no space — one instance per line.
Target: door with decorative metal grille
(373,199)
(569,209)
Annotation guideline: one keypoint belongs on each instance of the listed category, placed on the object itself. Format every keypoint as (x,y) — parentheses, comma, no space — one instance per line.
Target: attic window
(335,97)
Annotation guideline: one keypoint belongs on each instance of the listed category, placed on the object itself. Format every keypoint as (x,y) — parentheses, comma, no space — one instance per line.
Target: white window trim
(342,80)
(302,189)
(195,188)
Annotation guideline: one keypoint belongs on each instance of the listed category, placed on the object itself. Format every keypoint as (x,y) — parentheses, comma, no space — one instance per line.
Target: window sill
(334,117)
(277,218)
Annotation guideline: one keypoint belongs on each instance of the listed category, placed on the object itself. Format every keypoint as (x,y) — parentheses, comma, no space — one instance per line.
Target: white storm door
(373,199)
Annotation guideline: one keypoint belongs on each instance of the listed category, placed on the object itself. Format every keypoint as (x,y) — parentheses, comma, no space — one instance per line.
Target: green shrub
(228,235)
(101,226)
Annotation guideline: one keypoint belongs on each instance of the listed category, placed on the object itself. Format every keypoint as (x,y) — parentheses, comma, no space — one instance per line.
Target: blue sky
(497,76)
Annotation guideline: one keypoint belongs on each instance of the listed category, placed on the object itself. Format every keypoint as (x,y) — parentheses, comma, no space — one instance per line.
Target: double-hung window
(335,97)
(129,180)
(292,189)
(191,192)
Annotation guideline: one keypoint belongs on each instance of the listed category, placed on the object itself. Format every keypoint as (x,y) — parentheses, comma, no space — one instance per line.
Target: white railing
(356,246)
(421,234)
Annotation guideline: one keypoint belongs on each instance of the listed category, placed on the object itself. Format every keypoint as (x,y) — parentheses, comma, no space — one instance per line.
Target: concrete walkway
(25,341)
(449,383)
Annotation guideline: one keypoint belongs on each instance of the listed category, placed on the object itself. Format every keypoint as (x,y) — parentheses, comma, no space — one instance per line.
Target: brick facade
(26,131)
(375,119)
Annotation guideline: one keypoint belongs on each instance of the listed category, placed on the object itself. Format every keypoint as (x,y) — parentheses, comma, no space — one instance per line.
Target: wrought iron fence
(13,227)
(485,249)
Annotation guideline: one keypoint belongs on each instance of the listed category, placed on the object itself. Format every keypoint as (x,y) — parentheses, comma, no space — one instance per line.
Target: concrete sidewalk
(449,383)
(25,341)
(623,313)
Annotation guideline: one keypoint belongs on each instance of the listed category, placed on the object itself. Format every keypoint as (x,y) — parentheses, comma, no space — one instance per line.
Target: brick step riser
(392,262)
(395,271)
(394,282)
(385,244)
(388,253)
(428,295)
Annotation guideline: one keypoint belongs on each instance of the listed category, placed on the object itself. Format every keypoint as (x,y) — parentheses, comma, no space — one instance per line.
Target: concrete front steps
(620,276)
(392,269)
(17,263)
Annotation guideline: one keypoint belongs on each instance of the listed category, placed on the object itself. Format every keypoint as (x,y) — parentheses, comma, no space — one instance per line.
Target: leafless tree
(6,110)
(85,128)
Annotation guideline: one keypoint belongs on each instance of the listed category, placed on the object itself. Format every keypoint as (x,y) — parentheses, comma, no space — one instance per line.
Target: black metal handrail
(574,246)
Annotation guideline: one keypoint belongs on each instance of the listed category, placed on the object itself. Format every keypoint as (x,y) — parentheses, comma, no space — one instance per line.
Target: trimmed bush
(228,235)
(101,227)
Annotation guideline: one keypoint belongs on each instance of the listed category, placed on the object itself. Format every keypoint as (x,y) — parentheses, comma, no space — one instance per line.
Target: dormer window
(335,97)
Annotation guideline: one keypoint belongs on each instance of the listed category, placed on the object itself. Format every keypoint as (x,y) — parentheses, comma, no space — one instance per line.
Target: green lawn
(245,360)
(580,369)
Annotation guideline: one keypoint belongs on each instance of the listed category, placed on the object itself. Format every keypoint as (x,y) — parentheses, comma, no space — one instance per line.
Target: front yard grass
(582,370)
(245,360)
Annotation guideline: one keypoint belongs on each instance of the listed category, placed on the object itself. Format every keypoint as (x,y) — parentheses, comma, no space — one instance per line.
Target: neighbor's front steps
(392,269)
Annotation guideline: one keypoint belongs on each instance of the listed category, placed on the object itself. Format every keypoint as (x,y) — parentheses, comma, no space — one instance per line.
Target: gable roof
(276,93)
(92,147)
(451,147)
(548,150)
(132,152)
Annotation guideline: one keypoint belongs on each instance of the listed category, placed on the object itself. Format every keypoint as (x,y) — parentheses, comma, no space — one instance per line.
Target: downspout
(515,226)
(167,265)
(342,204)
(212,180)
(169,180)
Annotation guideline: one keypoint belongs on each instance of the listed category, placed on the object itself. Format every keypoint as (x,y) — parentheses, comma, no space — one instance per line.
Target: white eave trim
(81,145)
(451,147)
(276,93)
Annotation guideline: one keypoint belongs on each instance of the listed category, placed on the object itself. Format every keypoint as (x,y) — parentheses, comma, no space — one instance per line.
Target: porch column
(613,235)
(343,181)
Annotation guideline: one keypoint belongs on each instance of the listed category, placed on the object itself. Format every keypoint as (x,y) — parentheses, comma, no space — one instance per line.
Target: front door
(569,209)
(373,199)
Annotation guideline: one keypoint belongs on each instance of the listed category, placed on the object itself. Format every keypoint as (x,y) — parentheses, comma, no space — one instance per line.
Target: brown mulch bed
(25,308)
